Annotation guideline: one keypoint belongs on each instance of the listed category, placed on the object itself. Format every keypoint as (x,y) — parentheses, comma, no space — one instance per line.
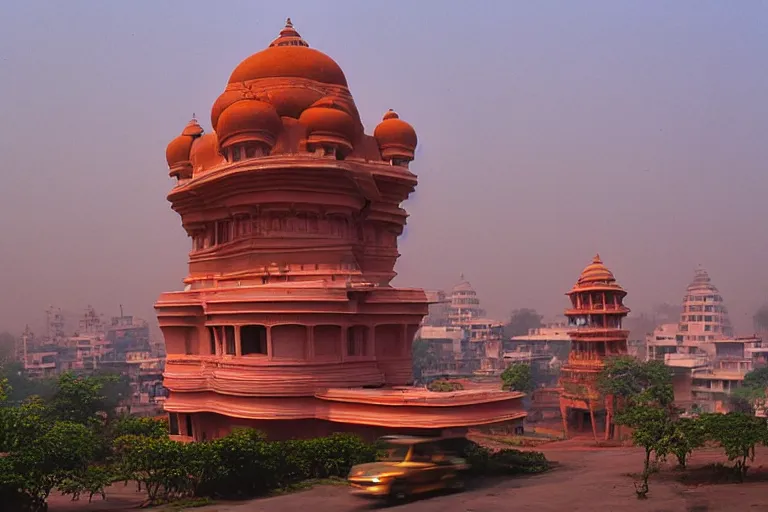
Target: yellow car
(409,466)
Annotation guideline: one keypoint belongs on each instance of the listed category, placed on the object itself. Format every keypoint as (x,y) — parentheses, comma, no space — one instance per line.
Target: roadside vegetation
(644,401)
(73,443)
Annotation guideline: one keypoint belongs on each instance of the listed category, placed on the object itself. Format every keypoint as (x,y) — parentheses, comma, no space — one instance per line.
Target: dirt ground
(585,479)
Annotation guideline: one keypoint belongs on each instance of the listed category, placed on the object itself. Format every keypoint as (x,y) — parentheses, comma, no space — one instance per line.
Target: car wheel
(398,491)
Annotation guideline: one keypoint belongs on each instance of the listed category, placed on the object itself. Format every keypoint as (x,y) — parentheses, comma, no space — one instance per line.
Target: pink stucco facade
(288,314)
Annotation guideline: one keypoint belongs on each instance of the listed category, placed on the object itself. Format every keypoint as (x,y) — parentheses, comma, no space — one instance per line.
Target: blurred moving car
(409,466)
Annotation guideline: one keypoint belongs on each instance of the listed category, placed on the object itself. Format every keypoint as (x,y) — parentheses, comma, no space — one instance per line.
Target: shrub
(240,465)
(444,386)
(503,462)
(145,427)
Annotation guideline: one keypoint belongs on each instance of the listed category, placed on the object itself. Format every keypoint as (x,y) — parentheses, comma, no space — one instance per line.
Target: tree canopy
(517,377)
(625,377)
(521,321)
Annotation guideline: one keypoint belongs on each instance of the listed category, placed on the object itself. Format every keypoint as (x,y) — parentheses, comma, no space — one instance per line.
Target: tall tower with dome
(288,321)
(595,320)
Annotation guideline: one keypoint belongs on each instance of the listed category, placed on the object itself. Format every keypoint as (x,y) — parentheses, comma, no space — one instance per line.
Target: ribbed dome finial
(289,36)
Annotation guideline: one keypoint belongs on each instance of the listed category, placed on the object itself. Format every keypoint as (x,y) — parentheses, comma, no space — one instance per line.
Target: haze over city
(547,132)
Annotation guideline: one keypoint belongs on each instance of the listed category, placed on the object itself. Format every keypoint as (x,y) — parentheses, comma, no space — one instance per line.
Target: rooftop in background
(558,332)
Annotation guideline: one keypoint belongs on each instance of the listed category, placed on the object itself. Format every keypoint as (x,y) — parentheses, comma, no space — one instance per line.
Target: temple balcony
(597,308)
(259,376)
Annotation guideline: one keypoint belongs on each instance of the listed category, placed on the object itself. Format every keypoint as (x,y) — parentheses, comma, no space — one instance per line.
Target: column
(269,342)
(344,335)
(310,342)
(238,348)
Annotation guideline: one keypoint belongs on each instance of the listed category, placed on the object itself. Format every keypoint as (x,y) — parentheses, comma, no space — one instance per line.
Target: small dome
(595,274)
(226,99)
(289,56)
(292,101)
(396,138)
(178,151)
(329,122)
(248,121)
(205,153)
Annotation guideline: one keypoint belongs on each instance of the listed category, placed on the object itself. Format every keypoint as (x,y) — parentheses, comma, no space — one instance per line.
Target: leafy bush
(737,433)
(135,426)
(503,462)
(159,465)
(242,464)
(517,377)
(444,386)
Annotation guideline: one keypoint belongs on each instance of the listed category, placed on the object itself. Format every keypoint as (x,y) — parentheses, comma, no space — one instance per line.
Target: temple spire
(289,36)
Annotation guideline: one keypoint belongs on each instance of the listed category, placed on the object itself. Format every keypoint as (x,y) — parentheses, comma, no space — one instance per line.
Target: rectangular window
(253,340)
(173,424)
(212,340)
(707,327)
(707,318)
(188,342)
(223,228)
(356,340)
(229,339)
(188,423)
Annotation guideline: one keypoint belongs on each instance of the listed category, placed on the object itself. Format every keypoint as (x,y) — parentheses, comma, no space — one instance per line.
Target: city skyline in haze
(547,133)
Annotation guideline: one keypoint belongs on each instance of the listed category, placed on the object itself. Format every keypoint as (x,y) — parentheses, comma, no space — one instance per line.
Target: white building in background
(465,305)
(708,362)
(704,316)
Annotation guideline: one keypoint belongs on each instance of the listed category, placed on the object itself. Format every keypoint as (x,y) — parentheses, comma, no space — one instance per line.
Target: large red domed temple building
(288,322)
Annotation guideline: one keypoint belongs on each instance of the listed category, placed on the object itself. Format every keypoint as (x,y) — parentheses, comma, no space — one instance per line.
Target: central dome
(289,56)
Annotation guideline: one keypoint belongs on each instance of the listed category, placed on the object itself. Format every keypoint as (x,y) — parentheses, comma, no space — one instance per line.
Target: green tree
(517,377)
(687,435)
(624,377)
(521,321)
(136,426)
(652,428)
(737,433)
(752,393)
(160,466)
(757,379)
(63,452)
(22,387)
(81,399)
(23,424)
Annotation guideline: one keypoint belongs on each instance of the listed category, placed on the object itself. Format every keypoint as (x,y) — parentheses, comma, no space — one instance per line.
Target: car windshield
(394,452)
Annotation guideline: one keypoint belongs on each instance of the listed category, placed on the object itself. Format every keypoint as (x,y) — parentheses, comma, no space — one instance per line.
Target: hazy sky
(548,131)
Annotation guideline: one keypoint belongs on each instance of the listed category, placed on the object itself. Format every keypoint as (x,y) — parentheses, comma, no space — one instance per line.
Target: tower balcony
(597,309)
(589,334)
